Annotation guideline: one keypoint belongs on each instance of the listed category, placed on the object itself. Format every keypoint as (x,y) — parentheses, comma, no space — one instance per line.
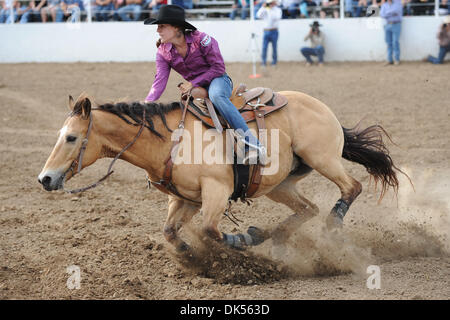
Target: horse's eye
(71,138)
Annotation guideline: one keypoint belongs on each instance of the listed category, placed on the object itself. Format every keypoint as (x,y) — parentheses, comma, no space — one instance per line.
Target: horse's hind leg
(350,188)
(288,193)
(180,212)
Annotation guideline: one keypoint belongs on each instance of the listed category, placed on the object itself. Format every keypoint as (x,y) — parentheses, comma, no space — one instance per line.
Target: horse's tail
(367,148)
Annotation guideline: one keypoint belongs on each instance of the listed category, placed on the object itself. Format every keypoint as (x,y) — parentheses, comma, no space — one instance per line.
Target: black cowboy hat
(171,14)
(315,24)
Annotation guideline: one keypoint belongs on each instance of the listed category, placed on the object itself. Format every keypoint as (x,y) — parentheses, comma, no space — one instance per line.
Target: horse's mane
(134,112)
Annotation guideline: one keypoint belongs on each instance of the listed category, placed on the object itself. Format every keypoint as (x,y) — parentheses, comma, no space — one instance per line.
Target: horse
(310,137)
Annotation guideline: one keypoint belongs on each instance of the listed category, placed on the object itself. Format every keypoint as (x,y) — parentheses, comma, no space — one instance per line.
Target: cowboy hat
(315,24)
(171,14)
(270,1)
(447,20)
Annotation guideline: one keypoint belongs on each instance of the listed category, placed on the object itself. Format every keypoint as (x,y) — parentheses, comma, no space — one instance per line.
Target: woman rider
(197,58)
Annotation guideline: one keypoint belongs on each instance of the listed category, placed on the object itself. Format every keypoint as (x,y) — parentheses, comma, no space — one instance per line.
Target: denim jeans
(124,12)
(440,59)
(270,36)
(31,15)
(5,16)
(318,51)
(243,12)
(185,4)
(392,37)
(102,13)
(219,92)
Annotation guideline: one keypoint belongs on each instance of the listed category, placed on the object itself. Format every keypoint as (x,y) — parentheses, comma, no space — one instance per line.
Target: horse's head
(72,151)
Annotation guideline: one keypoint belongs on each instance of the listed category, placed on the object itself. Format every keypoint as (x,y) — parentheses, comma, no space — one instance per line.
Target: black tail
(367,148)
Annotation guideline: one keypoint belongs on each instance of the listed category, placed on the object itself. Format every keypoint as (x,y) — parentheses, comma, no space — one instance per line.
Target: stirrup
(258,153)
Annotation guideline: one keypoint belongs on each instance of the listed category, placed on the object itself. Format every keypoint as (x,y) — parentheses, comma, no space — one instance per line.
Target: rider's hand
(185,87)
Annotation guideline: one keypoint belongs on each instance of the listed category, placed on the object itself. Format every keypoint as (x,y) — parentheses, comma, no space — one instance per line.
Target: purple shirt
(392,12)
(202,64)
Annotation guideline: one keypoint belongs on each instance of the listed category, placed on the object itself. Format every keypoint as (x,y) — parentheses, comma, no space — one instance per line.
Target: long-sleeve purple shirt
(392,12)
(202,64)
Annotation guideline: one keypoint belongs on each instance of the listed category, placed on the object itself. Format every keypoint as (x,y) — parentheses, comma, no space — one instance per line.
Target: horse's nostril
(46,181)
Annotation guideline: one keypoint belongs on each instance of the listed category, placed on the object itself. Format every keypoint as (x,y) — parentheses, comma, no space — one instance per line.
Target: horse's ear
(71,104)
(86,108)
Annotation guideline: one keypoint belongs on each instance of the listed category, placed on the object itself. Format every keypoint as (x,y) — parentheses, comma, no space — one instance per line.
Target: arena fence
(358,39)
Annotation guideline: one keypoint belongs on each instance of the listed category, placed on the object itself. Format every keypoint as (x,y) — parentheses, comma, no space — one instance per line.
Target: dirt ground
(114,233)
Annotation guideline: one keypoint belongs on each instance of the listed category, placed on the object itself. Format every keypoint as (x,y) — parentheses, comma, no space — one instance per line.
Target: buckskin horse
(310,138)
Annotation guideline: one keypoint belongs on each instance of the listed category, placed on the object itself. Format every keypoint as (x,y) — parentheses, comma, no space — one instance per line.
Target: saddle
(253,104)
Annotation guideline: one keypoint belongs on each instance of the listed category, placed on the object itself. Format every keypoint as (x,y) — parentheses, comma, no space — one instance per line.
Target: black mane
(134,111)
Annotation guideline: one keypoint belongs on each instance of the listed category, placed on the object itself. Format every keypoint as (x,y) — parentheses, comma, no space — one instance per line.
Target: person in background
(444,42)
(131,11)
(271,14)
(103,9)
(185,4)
(52,9)
(5,11)
(34,14)
(316,37)
(242,5)
(154,5)
(291,8)
(305,4)
(392,12)
(72,9)
(330,6)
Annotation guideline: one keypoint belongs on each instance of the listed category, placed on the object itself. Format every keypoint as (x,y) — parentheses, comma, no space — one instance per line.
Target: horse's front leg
(180,212)
(214,203)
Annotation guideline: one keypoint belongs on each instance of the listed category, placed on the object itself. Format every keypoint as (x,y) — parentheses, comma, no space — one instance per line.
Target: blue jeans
(270,36)
(102,13)
(293,10)
(318,51)
(392,37)
(27,16)
(440,59)
(243,12)
(185,4)
(5,16)
(124,12)
(219,92)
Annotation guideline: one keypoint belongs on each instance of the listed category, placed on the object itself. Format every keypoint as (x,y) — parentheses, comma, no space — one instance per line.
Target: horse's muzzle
(51,180)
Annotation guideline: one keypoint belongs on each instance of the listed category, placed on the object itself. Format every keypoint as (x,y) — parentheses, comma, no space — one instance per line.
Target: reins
(79,160)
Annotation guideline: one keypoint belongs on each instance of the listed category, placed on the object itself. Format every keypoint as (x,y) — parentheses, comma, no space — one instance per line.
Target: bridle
(78,162)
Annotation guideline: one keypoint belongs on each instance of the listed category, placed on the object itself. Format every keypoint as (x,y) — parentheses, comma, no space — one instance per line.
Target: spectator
(271,14)
(22,8)
(305,4)
(73,9)
(423,7)
(444,7)
(34,14)
(103,9)
(154,5)
(52,9)
(290,8)
(132,9)
(444,42)
(392,12)
(316,37)
(330,6)
(242,5)
(5,13)
(185,4)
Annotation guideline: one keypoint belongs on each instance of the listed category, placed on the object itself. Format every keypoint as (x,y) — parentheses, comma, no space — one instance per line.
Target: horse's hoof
(334,222)
(183,248)
(258,236)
